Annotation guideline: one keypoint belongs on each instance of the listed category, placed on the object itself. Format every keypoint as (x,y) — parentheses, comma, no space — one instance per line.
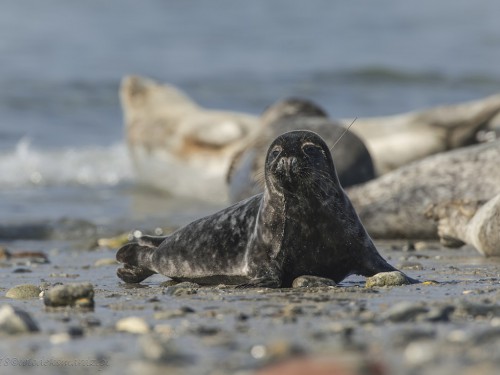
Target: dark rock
(405,312)
(307,281)
(15,321)
(78,295)
(477,309)
(159,348)
(182,289)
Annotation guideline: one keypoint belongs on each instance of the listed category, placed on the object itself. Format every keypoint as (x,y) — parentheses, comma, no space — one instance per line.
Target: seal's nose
(288,164)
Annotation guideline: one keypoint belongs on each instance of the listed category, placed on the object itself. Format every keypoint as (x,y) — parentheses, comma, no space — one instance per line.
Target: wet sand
(450,325)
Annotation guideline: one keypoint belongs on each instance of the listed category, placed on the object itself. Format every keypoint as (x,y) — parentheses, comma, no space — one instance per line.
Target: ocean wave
(87,166)
(384,74)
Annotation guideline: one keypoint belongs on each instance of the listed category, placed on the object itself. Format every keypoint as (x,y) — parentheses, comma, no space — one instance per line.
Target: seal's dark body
(303,224)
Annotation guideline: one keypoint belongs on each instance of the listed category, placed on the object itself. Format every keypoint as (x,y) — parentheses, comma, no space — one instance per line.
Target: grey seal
(302,224)
(352,159)
(476,223)
(394,205)
(168,134)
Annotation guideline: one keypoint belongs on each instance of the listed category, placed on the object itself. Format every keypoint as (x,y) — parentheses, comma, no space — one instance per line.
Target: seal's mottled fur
(303,224)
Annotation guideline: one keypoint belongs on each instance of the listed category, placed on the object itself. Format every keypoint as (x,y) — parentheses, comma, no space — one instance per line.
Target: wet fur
(303,224)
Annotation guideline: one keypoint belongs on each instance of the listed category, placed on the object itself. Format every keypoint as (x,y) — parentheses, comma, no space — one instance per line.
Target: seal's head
(300,161)
(292,107)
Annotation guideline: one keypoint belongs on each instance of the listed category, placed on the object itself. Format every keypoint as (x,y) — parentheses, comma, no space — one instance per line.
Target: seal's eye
(312,150)
(275,152)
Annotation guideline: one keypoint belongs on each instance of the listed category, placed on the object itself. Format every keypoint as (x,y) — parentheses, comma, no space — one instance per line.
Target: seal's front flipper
(260,283)
(136,260)
(133,275)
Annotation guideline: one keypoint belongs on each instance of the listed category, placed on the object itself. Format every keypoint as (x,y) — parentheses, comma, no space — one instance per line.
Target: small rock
(22,270)
(418,353)
(114,242)
(159,348)
(105,262)
(132,324)
(407,265)
(24,291)
(78,294)
(393,278)
(307,281)
(14,321)
(478,309)
(182,289)
(404,312)
(170,314)
(27,256)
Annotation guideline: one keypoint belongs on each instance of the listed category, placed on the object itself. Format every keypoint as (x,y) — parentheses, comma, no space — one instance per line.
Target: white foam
(89,166)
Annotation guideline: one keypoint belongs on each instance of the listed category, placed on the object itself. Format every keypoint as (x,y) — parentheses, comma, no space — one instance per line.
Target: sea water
(62,153)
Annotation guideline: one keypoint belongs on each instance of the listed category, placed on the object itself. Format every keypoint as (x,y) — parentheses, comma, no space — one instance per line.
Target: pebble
(105,262)
(478,309)
(312,282)
(158,348)
(27,256)
(170,314)
(418,353)
(77,294)
(15,321)
(132,324)
(393,278)
(408,265)
(114,242)
(275,350)
(182,289)
(24,291)
(404,312)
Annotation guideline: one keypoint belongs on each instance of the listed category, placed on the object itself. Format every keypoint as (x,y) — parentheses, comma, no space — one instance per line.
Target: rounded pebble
(132,324)
(24,291)
(393,278)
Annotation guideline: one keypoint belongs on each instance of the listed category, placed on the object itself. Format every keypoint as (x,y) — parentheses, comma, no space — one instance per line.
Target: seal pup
(177,146)
(352,160)
(394,205)
(476,223)
(302,224)
(397,140)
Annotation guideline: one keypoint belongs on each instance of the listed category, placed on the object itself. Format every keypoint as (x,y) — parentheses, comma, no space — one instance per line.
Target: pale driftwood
(178,146)
(476,223)
(393,205)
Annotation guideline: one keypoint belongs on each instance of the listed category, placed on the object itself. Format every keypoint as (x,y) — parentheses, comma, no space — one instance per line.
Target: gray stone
(307,281)
(393,278)
(478,309)
(181,289)
(24,291)
(404,312)
(159,348)
(15,321)
(78,294)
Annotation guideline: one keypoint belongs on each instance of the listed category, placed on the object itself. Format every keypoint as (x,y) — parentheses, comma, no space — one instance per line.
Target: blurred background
(61,135)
